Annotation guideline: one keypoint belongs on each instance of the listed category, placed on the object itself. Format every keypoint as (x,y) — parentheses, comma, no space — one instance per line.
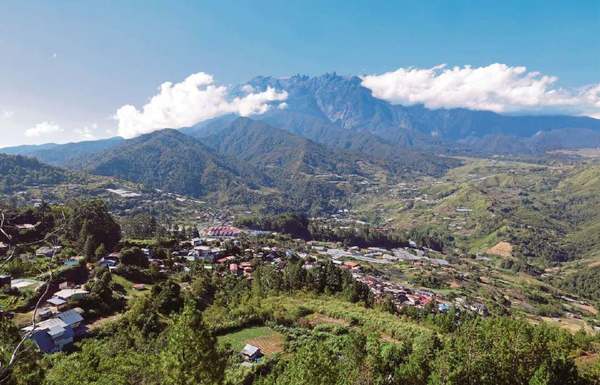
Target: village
(222,248)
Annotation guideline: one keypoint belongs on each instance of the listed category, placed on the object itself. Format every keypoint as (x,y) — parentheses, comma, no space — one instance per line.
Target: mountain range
(245,161)
(338,111)
(332,131)
(332,103)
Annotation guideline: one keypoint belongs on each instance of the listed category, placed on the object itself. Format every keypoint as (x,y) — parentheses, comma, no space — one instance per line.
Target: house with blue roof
(54,334)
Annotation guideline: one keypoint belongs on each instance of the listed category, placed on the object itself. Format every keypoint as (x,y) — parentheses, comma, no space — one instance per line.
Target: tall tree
(191,356)
(91,218)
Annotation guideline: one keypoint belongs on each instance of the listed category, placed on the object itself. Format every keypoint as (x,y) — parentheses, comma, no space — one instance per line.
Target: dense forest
(19,172)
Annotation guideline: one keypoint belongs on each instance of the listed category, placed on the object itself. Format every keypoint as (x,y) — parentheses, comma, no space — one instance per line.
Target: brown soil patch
(587,359)
(502,249)
(572,325)
(103,321)
(588,308)
(23,319)
(317,319)
(390,339)
(268,344)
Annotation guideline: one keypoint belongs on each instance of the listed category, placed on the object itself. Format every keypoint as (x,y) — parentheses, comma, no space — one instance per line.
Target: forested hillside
(174,162)
(63,154)
(19,172)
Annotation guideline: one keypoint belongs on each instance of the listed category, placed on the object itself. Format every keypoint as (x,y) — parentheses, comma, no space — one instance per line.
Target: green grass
(371,320)
(238,339)
(128,285)
(142,242)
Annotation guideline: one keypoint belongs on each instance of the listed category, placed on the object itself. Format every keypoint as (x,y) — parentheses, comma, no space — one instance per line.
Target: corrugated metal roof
(56,331)
(70,317)
(56,301)
(68,293)
(250,350)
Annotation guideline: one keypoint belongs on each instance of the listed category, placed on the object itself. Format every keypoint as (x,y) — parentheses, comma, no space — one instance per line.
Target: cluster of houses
(243,268)
(61,298)
(113,260)
(56,325)
(221,231)
(401,295)
(378,255)
(348,259)
(204,253)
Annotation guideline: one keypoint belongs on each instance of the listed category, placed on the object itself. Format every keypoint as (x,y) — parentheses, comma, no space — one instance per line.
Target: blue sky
(73,64)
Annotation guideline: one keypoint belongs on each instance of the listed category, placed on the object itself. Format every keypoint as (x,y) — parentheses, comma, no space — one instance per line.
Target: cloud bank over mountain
(43,129)
(191,101)
(496,87)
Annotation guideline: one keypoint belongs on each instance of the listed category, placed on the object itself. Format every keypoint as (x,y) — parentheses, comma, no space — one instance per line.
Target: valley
(337,219)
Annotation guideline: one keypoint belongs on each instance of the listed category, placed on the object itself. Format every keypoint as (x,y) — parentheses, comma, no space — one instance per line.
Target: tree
(167,297)
(100,251)
(134,256)
(103,362)
(203,290)
(141,226)
(89,248)
(91,218)
(26,369)
(505,351)
(191,356)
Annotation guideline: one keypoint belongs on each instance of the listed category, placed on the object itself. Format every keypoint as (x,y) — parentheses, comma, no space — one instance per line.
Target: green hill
(19,172)
(171,161)
(268,147)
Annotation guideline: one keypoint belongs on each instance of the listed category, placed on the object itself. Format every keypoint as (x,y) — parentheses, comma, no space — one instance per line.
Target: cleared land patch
(268,340)
(502,249)
(318,319)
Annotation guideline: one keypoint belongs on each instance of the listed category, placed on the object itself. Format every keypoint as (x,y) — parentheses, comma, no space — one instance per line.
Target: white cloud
(193,100)
(496,87)
(247,88)
(43,129)
(87,132)
(282,106)
(7,114)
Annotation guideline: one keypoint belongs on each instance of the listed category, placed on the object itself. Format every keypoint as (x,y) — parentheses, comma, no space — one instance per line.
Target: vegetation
(374,346)
(299,226)
(19,172)
(519,237)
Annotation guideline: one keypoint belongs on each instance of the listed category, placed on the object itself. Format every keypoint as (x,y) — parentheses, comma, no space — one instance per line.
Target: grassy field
(268,340)
(372,320)
(128,286)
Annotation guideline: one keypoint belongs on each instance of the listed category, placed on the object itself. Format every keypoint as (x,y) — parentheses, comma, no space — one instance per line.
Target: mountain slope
(172,161)
(63,154)
(18,172)
(268,147)
(342,103)
(175,162)
(309,175)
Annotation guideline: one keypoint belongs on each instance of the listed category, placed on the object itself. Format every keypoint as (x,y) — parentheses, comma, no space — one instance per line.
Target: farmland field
(268,340)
